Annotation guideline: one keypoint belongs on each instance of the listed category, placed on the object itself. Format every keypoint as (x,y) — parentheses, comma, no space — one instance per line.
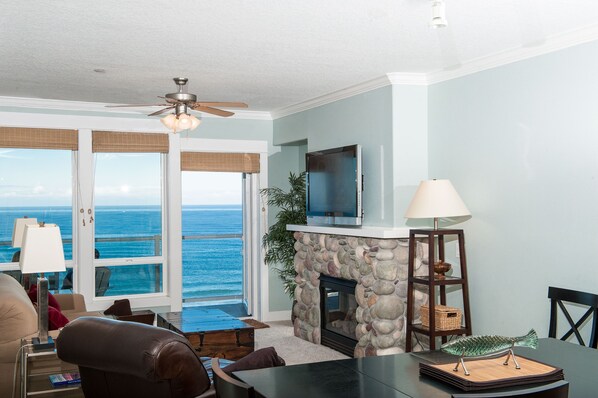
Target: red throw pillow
(52,302)
(56,319)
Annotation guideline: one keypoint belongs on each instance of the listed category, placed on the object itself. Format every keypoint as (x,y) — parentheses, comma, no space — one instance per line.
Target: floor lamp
(42,252)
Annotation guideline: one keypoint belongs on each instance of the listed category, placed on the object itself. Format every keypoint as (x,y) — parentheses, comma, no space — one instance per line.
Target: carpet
(293,349)
(255,324)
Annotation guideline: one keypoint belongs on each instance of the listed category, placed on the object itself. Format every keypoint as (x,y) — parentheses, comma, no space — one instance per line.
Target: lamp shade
(19,229)
(42,249)
(436,199)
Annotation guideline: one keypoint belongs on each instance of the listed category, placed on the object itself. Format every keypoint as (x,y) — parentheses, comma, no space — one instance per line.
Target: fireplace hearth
(338,312)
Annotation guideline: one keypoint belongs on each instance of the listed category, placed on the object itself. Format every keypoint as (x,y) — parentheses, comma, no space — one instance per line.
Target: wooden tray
(491,373)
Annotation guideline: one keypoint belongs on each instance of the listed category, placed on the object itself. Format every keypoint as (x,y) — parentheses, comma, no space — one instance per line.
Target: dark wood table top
(197,320)
(387,375)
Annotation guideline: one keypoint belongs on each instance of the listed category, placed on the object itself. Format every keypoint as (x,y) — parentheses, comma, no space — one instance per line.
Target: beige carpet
(293,349)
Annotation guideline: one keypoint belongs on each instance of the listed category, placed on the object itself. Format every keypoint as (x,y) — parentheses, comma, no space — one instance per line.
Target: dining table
(398,375)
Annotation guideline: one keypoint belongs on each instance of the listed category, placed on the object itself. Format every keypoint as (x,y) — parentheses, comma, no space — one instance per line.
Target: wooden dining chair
(558,389)
(557,297)
(228,387)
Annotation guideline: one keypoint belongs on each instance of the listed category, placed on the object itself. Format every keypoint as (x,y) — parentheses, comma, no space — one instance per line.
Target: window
(36,183)
(129,222)
(212,236)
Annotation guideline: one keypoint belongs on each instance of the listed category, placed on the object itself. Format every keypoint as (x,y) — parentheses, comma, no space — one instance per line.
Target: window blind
(117,141)
(36,138)
(219,161)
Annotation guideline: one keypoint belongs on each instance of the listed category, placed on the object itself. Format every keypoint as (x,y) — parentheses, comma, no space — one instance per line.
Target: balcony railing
(156,239)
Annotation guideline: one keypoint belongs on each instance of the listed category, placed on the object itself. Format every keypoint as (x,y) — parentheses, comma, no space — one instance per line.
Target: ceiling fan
(181,102)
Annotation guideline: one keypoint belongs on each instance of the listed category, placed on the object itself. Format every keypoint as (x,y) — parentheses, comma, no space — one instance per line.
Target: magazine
(62,379)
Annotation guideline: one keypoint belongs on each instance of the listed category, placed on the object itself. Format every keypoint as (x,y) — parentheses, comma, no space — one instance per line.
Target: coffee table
(211,332)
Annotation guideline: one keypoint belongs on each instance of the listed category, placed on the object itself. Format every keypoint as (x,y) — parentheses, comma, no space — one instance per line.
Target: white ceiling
(271,54)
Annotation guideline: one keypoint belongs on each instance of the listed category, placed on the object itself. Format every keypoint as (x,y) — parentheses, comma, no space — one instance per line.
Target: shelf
(425,330)
(448,280)
(35,369)
(436,240)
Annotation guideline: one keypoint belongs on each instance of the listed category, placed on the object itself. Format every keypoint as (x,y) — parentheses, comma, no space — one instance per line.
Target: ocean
(211,267)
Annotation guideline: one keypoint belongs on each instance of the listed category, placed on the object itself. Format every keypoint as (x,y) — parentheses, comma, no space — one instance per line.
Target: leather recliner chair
(126,359)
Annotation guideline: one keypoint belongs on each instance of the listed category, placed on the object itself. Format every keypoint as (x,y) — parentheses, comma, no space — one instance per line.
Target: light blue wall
(519,144)
(410,145)
(289,159)
(364,119)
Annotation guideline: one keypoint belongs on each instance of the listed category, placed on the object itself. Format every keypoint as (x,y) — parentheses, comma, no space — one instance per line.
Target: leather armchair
(127,359)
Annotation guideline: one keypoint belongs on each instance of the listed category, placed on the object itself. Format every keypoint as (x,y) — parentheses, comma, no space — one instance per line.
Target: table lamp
(19,229)
(42,252)
(436,199)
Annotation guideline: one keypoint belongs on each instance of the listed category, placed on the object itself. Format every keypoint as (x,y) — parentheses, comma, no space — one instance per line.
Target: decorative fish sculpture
(477,346)
(485,346)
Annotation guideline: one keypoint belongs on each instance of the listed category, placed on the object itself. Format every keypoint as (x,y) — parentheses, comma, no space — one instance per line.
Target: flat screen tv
(334,186)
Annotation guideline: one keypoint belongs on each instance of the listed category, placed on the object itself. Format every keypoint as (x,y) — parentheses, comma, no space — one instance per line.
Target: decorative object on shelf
(441,268)
(278,242)
(436,199)
(477,347)
(42,252)
(446,318)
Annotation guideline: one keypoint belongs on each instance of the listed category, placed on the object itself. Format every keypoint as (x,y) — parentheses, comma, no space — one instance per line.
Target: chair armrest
(71,302)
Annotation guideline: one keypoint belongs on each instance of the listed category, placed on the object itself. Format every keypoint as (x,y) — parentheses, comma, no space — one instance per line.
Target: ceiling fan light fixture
(169,121)
(184,121)
(438,14)
(181,122)
(194,122)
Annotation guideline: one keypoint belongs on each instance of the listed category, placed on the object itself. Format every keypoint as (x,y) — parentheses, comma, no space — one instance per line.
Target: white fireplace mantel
(365,232)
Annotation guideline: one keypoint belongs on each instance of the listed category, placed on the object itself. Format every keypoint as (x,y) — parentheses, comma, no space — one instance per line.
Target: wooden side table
(35,369)
(436,238)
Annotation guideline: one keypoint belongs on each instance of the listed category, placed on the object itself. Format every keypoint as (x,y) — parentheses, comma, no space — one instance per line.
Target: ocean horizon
(211,267)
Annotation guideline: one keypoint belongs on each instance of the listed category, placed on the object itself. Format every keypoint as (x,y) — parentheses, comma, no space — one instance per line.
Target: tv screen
(333,186)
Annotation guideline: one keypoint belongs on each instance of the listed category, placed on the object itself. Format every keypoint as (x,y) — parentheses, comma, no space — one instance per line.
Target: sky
(30,177)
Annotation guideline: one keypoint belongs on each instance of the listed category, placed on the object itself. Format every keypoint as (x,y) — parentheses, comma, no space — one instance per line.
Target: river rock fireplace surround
(377,260)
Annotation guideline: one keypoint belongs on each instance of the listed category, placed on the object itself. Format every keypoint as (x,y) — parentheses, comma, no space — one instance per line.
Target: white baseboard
(277,316)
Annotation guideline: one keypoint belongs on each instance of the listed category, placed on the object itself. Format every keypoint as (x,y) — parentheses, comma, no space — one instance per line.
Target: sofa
(18,320)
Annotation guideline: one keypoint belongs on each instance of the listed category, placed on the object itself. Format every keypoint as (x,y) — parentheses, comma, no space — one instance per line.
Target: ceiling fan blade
(134,106)
(169,100)
(223,104)
(161,111)
(213,111)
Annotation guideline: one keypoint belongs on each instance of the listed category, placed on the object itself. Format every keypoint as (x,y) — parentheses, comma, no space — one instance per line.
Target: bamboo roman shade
(34,138)
(218,161)
(117,141)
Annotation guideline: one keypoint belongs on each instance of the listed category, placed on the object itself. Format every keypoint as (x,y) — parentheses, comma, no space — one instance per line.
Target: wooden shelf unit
(436,241)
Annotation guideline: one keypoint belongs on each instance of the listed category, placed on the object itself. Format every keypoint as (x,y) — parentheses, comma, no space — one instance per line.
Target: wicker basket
(446,318)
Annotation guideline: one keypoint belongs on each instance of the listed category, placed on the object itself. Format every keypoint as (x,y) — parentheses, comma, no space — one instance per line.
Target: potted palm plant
(278,242)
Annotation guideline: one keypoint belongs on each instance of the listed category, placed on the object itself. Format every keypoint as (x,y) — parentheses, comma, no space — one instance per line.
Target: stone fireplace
(376,260)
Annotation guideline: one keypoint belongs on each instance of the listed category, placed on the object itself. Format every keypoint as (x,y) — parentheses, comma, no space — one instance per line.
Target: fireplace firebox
(338,306)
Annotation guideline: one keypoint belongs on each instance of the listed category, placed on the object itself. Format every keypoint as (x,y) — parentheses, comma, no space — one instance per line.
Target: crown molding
(412,79)
(551,44)
(332,97)
(382,81)
(98,107)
